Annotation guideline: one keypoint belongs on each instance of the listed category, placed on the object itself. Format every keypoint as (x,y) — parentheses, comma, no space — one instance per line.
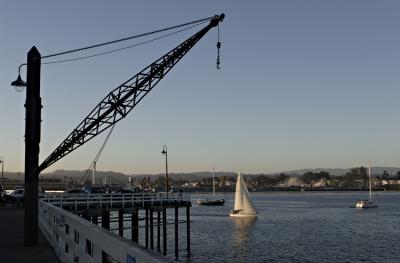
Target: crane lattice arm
(119,102)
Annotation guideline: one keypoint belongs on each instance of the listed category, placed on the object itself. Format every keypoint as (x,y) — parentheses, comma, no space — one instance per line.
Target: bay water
(292,227)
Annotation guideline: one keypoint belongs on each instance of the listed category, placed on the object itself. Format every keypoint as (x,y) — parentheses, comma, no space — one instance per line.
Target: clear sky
(303,84)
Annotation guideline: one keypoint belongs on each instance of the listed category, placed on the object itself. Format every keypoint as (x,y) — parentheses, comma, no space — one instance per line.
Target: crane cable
(86,174)
(126,38)
(123,48)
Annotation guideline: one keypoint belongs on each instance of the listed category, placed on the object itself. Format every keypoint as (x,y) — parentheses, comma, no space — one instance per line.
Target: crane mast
(119,102)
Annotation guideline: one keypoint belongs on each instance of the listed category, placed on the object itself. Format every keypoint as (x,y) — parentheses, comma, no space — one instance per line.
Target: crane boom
(119,102)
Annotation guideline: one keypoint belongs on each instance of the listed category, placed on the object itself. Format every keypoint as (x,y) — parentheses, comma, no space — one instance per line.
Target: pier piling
(105,219)
(147,227)
(176,232)
(188,229)
(94,220)
(151,230)
(158,231)
(164,231)
(121,222)
(135,226)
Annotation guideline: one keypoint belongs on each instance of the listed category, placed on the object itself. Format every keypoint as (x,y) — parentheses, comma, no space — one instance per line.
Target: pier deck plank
(12,239)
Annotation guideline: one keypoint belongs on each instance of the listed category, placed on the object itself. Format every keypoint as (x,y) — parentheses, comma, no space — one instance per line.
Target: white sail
(248,207)
(238,194)
(242,198)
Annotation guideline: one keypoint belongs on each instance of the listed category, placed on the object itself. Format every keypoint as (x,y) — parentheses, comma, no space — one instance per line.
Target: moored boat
(367,203)
(363,203)
(211,202)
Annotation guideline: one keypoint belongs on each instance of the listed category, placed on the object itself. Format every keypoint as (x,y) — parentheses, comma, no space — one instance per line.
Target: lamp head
(19,84)
(164,150)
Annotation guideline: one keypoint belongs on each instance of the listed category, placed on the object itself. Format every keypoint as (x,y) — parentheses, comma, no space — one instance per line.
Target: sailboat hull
(241,215)
(214,202)
(364,204)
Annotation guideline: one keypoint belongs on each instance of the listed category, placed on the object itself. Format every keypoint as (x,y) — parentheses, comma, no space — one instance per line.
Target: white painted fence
(77,240)
(88,201)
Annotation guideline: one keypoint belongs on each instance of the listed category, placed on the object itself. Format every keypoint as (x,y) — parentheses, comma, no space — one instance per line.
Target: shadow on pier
(12,239)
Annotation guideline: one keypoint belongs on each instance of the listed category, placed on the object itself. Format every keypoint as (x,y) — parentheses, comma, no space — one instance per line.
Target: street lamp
(33,107)
(165,152)
(19,84)
(2,171)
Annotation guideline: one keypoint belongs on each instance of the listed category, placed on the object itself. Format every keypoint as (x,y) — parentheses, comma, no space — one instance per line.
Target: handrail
(113,200)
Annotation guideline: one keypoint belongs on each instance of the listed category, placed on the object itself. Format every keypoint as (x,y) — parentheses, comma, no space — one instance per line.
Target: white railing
(75,239)
(87,201)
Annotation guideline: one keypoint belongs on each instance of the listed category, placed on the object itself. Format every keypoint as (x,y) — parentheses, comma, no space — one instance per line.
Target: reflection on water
(242,232)
(243,227)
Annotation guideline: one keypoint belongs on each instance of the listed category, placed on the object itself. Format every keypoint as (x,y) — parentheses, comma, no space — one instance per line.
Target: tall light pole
(2,171)
(165,152)
(33,107)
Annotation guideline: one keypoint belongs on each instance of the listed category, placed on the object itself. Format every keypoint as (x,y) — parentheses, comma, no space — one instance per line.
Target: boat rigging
(211,202)
(370,202)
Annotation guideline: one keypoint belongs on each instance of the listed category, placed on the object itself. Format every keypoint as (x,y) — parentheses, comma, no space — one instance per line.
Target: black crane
(119,102)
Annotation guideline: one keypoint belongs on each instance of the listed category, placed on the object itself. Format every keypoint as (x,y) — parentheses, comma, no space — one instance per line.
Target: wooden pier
(150,209)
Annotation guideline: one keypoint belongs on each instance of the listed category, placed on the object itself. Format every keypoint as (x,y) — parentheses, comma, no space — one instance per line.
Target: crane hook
(218,60)
(218,47)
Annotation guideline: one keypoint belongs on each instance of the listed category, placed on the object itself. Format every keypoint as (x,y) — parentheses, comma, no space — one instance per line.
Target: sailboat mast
(369,174)
(213,184)
(94,174)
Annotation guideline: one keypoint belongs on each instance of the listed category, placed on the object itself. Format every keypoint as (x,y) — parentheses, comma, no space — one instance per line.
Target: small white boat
(243,205)
(367,203)
(362,203)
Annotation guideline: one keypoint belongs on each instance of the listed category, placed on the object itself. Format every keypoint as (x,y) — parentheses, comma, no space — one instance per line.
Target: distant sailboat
(243,205)
(367,203)
(211,202)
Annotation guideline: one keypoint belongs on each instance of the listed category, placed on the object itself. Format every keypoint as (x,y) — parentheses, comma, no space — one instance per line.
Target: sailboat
(243,205)
(367,203)
(211,202)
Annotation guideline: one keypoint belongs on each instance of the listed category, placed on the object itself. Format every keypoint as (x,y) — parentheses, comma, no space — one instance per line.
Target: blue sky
(303,84)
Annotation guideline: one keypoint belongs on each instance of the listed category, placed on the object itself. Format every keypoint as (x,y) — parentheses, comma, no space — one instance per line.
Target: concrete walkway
(12,240)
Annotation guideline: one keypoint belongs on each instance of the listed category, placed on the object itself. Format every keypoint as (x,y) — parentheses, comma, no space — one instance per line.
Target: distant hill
(340,171)
(124,178)
(186,176)
(331,171)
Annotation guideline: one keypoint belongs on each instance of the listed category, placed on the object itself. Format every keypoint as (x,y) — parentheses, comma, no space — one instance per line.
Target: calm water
(294,227)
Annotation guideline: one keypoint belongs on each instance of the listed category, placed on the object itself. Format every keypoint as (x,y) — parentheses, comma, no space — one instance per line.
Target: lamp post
(165,152)
(33,109)
(2,171)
